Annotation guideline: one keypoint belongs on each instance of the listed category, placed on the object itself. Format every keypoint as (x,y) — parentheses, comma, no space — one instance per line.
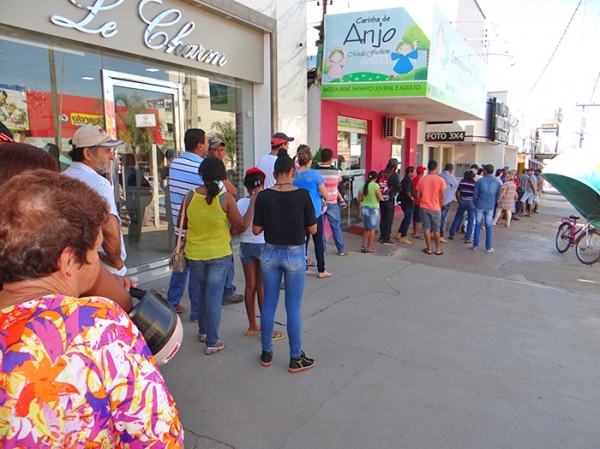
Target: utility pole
(583,106)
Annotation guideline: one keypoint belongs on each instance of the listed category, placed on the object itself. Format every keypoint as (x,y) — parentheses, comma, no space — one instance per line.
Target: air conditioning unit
(393,128)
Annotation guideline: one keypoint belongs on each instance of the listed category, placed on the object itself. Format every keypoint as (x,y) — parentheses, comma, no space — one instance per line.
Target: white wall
(291,95)
(490,154)
(314,118)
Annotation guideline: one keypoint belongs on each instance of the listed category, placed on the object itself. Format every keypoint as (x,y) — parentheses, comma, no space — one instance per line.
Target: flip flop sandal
(278,335)
(418,237)
(252,334)
(371,252)
(438,254)
(363,249)
(426,252)
(310,273)
(310,263)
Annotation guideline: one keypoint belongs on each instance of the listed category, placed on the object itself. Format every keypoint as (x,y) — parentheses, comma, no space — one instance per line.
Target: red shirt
(415,182)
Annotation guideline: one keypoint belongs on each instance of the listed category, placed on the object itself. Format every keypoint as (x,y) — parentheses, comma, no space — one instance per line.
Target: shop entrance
(147,115)
(351,152)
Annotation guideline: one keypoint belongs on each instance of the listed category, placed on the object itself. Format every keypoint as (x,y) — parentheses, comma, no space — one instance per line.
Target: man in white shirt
(92,154)
(267,162)
(450,196)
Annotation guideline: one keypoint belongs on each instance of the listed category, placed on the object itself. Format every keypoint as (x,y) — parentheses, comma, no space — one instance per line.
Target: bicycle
(586,240)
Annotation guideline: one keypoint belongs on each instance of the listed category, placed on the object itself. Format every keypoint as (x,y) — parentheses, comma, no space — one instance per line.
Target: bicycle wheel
(587,249)
(563,238)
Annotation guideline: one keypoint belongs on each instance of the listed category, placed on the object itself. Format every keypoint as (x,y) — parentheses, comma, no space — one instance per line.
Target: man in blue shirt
(450,196)
(485,197)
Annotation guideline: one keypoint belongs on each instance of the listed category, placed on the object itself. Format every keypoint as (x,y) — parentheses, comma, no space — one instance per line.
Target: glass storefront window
(48,91)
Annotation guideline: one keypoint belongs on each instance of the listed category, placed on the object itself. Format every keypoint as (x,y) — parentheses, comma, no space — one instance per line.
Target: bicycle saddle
(574,217)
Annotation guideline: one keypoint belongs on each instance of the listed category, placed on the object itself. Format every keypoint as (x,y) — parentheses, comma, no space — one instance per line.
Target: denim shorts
(370,217)
(251,252)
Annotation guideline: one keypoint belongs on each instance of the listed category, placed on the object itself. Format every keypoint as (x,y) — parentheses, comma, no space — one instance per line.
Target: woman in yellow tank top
(208,250)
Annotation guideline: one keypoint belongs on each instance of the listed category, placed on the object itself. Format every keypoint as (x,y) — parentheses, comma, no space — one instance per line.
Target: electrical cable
(553,53)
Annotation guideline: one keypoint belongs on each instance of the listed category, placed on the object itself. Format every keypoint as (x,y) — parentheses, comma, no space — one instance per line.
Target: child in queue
(370,196)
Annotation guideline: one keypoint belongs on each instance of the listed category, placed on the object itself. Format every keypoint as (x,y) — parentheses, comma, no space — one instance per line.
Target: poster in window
(13,108)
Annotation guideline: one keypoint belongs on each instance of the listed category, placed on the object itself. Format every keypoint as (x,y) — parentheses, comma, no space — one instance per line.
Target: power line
(553,53)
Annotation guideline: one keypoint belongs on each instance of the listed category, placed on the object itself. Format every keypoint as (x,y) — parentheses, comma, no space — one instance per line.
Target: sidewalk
(467,350)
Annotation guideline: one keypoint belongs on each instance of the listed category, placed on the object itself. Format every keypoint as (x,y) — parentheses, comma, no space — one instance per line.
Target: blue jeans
(445,209)
(464,205)
(211,275)
(318,239)
(334,217)
(177,287)
(406,221)
(480,215)
(288,261)
(229,287)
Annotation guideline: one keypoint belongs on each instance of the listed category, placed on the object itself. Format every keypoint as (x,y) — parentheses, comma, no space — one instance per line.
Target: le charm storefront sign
(171,31)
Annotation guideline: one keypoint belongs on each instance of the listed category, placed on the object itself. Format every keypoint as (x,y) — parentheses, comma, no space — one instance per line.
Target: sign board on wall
(444,132)
(456,75)
(171,31)
(13,108)
(380,53)
(352,125)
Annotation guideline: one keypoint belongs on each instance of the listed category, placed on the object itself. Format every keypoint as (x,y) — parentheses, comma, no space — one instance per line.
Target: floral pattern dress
(76,373)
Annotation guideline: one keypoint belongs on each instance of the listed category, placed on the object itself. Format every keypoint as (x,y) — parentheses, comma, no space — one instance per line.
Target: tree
(226,132)
(127,130)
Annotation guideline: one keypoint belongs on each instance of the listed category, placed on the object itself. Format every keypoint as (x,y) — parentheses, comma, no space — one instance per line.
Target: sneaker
(266,358)
(343,253)
(450,237)
(405,241)
(387,242)
(235,299)
(468,241)
(474,248)
(180,309)
(201,337)
(491,250)
(302,363)
(218,347)
(399,237)
(443,240)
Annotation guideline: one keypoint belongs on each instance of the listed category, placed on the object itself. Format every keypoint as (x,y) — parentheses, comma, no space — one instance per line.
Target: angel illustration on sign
(405,51)
(336,62)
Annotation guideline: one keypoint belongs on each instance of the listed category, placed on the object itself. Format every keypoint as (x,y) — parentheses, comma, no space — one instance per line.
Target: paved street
(466,350)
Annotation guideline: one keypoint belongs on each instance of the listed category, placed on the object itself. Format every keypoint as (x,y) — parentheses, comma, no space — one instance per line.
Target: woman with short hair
(76,371)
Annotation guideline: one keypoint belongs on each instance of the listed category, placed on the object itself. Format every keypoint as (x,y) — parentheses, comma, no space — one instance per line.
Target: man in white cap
(267,162)
(92,154)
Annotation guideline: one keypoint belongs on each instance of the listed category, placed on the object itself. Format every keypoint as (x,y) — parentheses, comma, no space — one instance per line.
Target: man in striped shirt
(183,177)
(464,195)
(332,178)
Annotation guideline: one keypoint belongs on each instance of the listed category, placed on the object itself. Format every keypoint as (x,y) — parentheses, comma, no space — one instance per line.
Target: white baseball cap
(93,136)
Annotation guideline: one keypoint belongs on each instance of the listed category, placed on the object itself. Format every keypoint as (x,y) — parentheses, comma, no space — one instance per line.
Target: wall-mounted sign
(445,136)
(456,75)
(172,31)
(80,119)
(145,120)
(13,108)
(352,125)
(497,121)
(380,53)
(156,36)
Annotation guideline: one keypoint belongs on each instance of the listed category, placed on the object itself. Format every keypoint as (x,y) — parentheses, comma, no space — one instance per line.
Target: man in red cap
(267,162)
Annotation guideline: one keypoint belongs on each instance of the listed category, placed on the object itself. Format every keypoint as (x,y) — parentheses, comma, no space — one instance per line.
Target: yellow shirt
(207,234)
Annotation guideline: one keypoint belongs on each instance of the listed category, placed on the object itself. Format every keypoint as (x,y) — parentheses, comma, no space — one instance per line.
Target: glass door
(146,114)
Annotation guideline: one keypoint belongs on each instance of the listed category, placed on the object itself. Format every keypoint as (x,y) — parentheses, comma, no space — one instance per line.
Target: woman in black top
(284,213)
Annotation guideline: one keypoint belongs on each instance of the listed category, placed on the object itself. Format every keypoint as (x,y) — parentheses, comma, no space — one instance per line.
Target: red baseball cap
(421,169)
(255,171)
(279,138)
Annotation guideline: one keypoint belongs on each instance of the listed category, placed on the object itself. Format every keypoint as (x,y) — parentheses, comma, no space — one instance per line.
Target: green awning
(576,175)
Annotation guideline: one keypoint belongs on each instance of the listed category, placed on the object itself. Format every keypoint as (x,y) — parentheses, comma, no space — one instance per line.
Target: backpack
(383,185)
